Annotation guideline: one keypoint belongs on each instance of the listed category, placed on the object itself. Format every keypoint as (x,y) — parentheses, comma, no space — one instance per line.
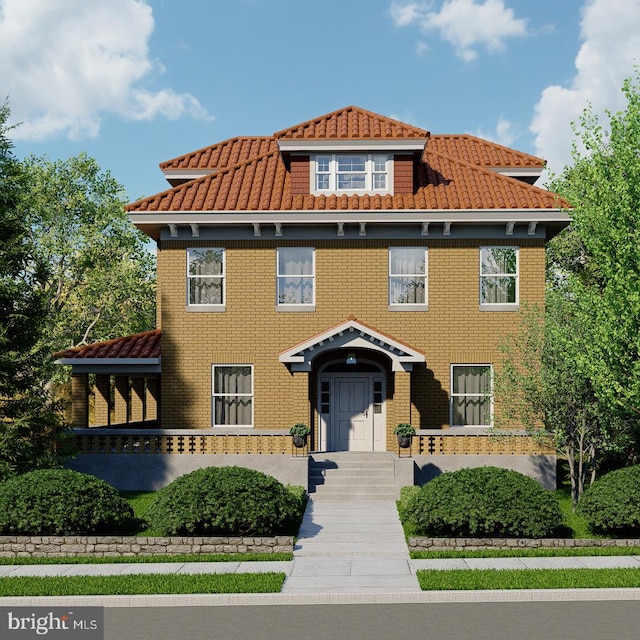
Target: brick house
(351,272)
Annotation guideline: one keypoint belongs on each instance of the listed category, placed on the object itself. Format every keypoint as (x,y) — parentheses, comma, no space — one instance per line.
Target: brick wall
(300,175)
(351,278)
(403,174)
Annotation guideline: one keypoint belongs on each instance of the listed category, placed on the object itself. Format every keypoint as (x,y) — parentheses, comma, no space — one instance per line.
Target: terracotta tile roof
(263,184)
(351,123)
(482,153)
(223,154)
(140,345)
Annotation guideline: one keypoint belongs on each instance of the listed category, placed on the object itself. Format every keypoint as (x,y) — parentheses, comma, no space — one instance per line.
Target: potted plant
(404,432)
(300,432)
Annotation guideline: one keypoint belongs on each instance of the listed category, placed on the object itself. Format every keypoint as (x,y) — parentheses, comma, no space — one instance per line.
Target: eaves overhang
(153,223)
(122,366)
(377,145)
(351,334)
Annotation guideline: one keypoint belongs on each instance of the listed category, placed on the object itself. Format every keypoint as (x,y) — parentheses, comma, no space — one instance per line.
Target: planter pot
(299,441)
(404,442)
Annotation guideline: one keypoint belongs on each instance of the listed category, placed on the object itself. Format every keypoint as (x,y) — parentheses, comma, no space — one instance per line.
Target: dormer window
(352,173)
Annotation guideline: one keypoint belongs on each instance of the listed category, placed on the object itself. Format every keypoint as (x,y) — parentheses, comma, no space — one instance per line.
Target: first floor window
(232,395)
(471,395)
(407,276)
(205,277)
(498,275)
(295,276)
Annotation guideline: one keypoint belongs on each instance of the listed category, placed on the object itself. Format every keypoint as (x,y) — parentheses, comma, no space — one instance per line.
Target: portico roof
(351,334)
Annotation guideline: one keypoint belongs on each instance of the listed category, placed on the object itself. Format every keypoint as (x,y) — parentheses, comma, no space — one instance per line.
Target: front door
(352,419)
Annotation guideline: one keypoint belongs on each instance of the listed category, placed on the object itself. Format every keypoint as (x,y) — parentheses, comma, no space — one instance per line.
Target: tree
(29,422)
(602,277)
(101,279)
(542,386)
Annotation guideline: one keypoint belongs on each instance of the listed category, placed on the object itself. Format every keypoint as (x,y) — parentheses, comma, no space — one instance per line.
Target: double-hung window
(232,395)
(498,277)
(351,173)
(205,279)
(471,395)
(296,278)
(408,278)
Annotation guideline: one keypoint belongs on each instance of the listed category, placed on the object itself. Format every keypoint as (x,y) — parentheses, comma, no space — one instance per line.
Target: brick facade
(351,279)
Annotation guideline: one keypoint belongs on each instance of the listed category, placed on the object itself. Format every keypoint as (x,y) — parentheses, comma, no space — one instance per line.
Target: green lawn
(150,584)
(472,579)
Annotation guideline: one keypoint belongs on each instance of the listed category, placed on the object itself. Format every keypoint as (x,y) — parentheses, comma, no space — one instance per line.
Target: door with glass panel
(352,417)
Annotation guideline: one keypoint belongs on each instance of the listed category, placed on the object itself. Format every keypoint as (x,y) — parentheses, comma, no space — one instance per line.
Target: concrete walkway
(351,546)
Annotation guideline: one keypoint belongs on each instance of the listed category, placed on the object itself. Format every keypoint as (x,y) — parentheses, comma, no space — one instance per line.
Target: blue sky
(136,82)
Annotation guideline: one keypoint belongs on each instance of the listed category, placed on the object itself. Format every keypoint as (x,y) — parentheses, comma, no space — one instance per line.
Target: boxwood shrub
(483,501)
(61,502)
(611,505)
(231,501)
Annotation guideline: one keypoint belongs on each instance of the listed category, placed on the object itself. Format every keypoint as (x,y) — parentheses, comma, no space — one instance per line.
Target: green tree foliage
(542,387)
(101,278)
(598,260)
(29,422)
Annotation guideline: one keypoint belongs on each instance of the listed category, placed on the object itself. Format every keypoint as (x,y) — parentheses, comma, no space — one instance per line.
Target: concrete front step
(352,474)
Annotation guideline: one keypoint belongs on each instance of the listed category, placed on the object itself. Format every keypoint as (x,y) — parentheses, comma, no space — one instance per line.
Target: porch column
(137,400)
(80,400)
(101,412)
(153,399)
(121,407)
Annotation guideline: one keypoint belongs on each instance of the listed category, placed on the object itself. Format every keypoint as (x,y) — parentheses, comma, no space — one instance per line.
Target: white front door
(352,416)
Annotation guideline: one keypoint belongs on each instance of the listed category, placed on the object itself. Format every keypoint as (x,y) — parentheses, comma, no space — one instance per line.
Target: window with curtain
(408,276)
(498,275)
(471,395)
(205,276)
(295,276)
(232,395)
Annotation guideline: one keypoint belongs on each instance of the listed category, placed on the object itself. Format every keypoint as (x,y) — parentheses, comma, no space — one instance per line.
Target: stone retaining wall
(112,546)
(479,544)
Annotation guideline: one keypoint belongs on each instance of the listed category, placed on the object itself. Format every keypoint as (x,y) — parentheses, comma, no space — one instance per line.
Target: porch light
(351,358)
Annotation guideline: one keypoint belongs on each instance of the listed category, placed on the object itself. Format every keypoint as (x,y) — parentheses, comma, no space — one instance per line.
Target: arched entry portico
(351,395)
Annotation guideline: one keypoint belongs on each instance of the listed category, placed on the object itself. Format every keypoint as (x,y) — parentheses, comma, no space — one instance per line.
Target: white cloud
(610,33)
(67,64)
(466,24)
(504,133)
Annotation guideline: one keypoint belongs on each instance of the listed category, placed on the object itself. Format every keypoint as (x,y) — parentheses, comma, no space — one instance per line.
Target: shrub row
(215,501)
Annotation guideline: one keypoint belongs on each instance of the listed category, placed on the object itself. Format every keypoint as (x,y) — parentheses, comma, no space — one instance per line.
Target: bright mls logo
(86,623)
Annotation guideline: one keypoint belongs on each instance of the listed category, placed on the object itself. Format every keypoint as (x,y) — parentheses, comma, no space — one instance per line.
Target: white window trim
(398,306)
(368,190)
(499,306)
(307,306)
(208,307)
(215,395)
(453,395)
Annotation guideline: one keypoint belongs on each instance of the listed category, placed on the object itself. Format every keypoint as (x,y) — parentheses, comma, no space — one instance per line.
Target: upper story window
(498,277)
(351,173)
(205,279)
(408,277)
(296,278)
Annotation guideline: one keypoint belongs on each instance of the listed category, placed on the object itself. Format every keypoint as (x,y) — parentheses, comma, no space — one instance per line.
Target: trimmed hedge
(611,505)
(226,501)
(61,502)
(483,501)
